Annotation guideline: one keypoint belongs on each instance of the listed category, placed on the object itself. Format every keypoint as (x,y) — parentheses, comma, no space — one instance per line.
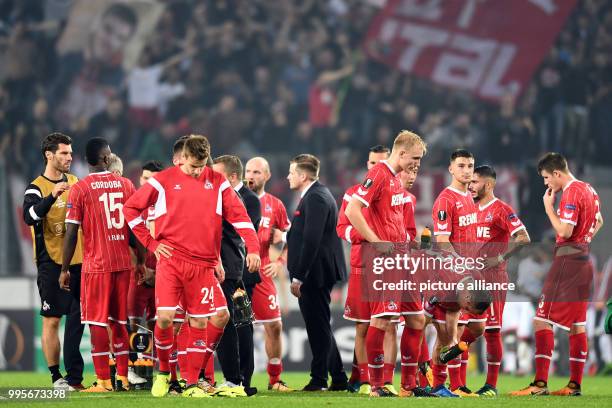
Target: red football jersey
(409,210)
(273,215)
(188,214)
(345,230)
(383,194)
(580,207)
(497,222)
(455,214)
(95,203)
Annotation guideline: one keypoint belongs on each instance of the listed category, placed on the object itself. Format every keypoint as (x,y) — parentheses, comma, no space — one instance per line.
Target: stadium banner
(17,340)
(488,48)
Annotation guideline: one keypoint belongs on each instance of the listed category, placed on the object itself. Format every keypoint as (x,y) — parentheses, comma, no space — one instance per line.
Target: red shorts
(141,300)
(265,302)
(356,309)
(436,312)
(467,317)
(104,297)
(566,291)
(196,285)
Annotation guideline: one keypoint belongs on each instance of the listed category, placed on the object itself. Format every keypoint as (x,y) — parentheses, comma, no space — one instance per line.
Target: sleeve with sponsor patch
(510,220)
(442,216)
(369,190)
(569,208)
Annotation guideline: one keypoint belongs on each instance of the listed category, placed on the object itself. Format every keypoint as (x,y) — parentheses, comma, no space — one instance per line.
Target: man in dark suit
(315,263)
(235,350)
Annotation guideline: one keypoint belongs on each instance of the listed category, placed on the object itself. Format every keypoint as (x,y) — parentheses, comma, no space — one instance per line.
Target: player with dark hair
(44,209)
(454,217)
(384,194)
(566,290)
(187,245)
(95,205)
(356,309)
(266,305)
(496,226)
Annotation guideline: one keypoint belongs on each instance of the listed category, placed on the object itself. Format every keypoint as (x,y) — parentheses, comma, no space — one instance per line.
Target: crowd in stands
(281,78)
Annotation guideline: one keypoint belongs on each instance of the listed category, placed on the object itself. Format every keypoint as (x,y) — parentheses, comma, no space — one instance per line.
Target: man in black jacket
(235,350)
(316,263)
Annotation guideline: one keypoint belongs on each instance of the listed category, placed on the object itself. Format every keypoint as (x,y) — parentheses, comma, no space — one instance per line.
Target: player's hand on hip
(60,188)
(295,289)
(149,276)
(64,280)
(163,250)
(220,272)
(253,261)
(273,269)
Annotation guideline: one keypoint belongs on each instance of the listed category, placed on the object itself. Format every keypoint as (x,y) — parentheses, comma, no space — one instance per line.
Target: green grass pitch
(597,393)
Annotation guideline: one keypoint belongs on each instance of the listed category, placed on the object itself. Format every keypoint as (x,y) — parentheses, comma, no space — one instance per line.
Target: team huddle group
(169,267)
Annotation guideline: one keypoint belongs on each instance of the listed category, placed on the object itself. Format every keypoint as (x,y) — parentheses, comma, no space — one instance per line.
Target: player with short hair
(94,205)
(44,209)
(115,165)
(454,217)
(383,194)
(356,308)
(187,244)
(266,306)
(497,225)
(566,290)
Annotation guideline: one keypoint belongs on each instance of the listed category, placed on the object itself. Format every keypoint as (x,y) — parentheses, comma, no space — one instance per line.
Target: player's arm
(35,206)
(358,221)
(68,248)
(133,209)
(344,229)
(442,216)
(564,225)
(234,212)
(599,221)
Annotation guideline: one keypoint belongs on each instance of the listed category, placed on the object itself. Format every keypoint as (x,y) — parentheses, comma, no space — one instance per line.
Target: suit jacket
(233,251)
(315,254)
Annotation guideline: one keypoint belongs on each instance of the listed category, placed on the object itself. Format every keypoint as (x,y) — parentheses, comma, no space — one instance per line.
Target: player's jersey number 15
(113,205)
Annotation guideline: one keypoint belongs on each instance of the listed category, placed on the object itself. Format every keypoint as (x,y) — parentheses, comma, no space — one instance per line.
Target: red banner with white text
(487,47)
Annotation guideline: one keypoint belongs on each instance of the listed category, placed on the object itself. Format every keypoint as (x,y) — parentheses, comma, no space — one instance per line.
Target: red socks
(494,356)
(439,373)
(423,358)
(163,344)
(121,348)
(454,373)
(388,372)
(410,349)
(545,342)
(376,355)
(182,339)
(469,338)
(578,351)
(213,335)
(364,373)
(209,370)
(173,357)
(196,351)
(276,368)
(99,351)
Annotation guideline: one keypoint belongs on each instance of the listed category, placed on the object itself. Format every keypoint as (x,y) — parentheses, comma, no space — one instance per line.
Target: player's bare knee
(577,329)
(541,325)
(416,321)
(380,322)
(477,329)
(221,318)
(164,320)
(274,329)
(51,324)
(198,322)
(361,329)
